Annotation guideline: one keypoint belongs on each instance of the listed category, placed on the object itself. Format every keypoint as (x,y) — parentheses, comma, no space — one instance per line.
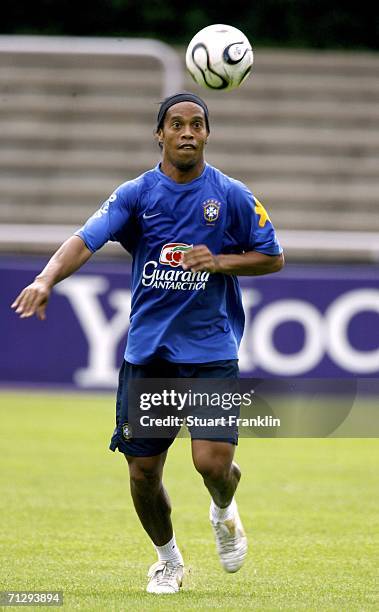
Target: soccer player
(191,230)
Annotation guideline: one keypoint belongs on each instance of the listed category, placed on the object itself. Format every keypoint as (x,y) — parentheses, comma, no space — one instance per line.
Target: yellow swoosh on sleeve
(262,212)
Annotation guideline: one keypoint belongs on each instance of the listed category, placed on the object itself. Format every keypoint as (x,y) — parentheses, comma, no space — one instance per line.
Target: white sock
(169,552)
(219,515)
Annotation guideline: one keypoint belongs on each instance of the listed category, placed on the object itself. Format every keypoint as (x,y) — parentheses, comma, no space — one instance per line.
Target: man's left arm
(252,263)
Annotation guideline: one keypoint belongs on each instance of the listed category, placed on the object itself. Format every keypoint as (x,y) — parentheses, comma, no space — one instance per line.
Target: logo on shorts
(211,210)
(172,253)
(126,431)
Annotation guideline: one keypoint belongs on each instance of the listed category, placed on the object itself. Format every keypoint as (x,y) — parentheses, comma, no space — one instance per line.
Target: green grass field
(309,506)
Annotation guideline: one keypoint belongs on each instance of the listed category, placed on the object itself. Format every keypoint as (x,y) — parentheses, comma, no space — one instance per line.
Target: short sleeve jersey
(176,314)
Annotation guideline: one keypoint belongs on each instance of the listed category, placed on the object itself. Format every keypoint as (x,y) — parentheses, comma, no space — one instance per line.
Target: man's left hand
(200,259)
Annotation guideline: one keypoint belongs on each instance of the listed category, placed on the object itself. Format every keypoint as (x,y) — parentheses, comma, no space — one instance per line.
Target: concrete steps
(72,161)
(301,132)
(114,109)
(287,86)
(282,138)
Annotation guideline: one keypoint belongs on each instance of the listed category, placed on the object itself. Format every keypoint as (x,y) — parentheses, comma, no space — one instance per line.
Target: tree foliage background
(343,24)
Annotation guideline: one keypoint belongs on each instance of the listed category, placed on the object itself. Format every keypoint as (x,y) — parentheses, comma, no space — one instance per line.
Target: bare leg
(214,461)
(149,496)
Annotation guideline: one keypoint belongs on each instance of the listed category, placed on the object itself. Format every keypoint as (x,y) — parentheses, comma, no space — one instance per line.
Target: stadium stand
(301,132)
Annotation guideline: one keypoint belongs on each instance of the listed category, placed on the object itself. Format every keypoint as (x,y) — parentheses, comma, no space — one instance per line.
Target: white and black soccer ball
(219,57)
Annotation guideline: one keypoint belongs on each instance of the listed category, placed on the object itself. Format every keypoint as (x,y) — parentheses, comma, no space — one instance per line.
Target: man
(190,230)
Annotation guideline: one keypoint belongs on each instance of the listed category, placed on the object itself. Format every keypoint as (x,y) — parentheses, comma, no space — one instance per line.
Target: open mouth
(187,146)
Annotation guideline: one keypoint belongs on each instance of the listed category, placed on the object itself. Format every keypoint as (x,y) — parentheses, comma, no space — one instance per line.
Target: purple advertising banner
(306,321)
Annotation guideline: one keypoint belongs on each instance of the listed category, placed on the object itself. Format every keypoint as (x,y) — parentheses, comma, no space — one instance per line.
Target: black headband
(181,97)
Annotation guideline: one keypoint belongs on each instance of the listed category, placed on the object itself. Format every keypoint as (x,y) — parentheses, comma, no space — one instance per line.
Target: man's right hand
(33,300)
(69,257)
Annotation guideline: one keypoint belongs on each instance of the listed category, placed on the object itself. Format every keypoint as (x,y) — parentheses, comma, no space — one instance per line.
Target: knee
(144,477)
(211,470)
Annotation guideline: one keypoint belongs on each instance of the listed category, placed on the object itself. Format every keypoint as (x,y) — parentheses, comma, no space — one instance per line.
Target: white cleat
(165,577)
(231,542)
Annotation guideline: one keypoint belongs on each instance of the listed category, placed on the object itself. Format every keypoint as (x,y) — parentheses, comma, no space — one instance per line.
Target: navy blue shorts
(159,368)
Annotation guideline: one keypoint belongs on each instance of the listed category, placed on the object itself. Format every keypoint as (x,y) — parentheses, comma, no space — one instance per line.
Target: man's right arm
(68,258)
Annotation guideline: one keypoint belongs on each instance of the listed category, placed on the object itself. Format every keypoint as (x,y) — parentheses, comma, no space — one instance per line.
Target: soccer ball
(219,57)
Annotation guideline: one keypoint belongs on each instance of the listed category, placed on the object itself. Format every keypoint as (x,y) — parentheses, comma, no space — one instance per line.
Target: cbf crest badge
(211,209)
(126,431)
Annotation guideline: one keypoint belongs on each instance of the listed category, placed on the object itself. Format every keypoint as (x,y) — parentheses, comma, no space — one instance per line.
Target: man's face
(184,135)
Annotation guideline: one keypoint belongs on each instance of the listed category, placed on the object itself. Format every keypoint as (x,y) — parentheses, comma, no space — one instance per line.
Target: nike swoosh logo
(145,216)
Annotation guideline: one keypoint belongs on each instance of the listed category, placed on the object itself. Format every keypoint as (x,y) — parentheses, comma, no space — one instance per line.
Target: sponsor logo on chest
(172,253)
(173,278)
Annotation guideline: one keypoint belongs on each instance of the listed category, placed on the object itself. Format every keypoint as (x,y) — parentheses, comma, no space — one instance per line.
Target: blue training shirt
(176,314)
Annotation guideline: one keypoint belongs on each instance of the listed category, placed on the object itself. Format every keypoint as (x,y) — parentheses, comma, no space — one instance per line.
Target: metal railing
(71,45)
(296,243)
